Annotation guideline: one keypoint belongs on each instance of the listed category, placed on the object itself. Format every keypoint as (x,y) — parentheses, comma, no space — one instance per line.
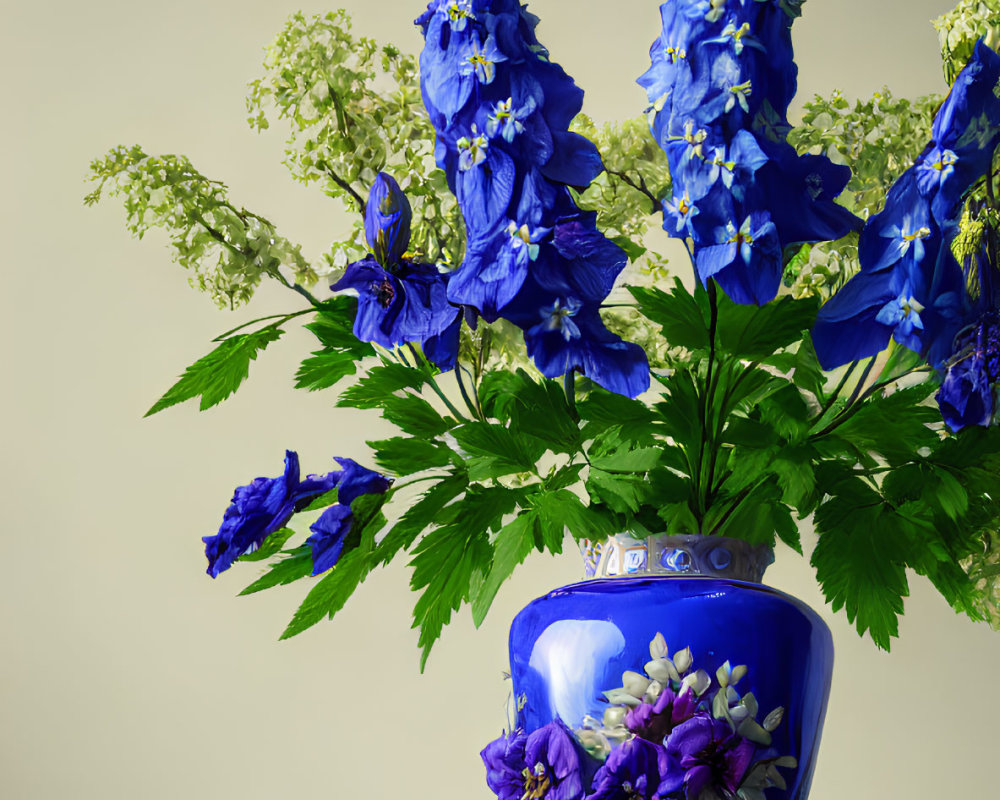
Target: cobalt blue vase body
(573,645)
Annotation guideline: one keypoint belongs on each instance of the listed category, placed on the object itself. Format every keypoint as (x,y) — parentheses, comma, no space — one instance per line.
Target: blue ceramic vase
(675,642)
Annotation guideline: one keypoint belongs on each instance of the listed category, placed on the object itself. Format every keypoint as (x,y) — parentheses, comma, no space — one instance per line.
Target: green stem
(397,486)
(465,394)
(569,386)
(706,398)
(850,409)
(836,392)
(432,383)
(283,317)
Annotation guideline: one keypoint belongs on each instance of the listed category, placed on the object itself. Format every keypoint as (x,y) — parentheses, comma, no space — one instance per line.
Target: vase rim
(688,555)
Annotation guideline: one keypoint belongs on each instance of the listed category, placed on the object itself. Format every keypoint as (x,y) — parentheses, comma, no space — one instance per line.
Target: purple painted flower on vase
(654,721)
(705,754)
(633,771)
(542,764)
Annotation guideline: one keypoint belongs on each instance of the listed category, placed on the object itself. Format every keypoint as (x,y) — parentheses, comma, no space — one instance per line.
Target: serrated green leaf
(513,544)
(602,409)
(859,560)
(642,459)
(216,376)
(538,409)
(680,318)
(331,592)
(561,510)
(379,383)
(620,493)
(494,450)
(272,545)
(418,517)
(446,559)
(293,566)
(325,368)
(415,416)
(405,456)
(755,332)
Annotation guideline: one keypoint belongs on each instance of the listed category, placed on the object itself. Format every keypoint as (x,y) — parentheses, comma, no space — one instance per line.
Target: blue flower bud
(387,220)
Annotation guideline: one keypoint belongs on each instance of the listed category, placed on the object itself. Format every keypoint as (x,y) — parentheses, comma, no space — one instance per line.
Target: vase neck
(716,556)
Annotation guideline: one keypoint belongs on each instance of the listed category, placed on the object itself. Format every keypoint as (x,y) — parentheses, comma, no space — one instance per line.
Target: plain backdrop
(126,671)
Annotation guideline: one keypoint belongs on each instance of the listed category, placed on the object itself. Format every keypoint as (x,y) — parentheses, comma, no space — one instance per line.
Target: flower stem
(569,386)
(432,382)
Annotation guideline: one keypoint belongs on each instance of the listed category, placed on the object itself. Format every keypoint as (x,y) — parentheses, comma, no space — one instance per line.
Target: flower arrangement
(834,357)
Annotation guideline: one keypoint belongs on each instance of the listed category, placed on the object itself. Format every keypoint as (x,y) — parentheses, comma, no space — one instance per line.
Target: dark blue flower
(966,396)
(746,262)
(409,304)
(542,765)
(633,771)
(259,509)
(387,220)
(330,530)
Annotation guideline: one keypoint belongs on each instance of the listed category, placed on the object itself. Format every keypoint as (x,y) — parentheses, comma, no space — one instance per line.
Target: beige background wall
(126,672)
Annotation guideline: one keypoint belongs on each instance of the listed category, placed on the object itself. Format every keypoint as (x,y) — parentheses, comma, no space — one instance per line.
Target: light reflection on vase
(569,656)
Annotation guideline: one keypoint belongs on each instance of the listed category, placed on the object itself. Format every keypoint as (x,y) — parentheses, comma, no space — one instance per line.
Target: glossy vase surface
(574,644)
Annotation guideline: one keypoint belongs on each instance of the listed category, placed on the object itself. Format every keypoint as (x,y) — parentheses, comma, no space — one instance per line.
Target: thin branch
(639,187)
(344,185)
(836,392)
(282,317)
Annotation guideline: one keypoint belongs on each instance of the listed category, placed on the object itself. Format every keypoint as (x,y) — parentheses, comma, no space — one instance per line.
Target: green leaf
(421,515)
(620,493)
(561,510)
(415,416)
(272,545)
(449,561)
(894,426)
(681,319)
(756,332)
(640,460)
(295,564)
(633,250)
(860,560)
(323,501)
(216,376)
(494,450)
(538,409)
(513,544)
(330,593)
(379,383)
(602,409)
(324,368)
(406,456)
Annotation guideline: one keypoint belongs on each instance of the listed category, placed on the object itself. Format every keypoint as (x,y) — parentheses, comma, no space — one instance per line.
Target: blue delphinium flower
(259,509)
(719,85)
(399,300)
(387,220)
(330,530)
(409,304)
(541,765)
(970,368)
(910,286)
(510,158)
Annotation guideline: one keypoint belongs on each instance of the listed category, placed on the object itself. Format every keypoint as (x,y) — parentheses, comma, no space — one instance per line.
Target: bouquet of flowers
(834,354)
